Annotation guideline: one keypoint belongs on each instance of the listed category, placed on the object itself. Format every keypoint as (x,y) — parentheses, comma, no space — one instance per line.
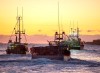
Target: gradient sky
(41,16)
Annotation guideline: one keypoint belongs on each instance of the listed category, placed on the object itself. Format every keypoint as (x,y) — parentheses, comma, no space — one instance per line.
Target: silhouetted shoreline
(94,42)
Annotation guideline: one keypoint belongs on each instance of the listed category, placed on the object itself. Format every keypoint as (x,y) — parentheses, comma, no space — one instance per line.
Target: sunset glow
(41,16)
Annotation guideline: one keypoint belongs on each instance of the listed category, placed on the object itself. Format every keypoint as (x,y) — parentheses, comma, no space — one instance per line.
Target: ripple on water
(83,61)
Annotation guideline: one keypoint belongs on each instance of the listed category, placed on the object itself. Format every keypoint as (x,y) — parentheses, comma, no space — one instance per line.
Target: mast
(19,18)
(19,29)
(58,21)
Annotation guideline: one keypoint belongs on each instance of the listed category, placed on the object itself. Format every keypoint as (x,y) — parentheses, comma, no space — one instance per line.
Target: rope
(25,38)
(13,30)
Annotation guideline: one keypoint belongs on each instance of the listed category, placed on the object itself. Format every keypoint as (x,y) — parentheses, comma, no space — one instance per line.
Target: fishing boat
(74,41)
(55,49)
(16,46)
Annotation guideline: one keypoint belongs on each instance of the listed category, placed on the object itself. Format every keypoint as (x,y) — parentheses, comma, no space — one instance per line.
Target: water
(82,61)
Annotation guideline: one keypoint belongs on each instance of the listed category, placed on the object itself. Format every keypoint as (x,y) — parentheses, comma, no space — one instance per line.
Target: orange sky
(40,16)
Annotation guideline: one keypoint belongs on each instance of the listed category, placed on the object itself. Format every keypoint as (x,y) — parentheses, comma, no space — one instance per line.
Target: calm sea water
(82,61)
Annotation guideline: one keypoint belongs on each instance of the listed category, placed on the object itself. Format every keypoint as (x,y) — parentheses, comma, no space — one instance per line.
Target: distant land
(94,42)
(43,38)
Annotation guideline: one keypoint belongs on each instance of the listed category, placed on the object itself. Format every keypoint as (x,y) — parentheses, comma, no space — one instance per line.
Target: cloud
(89,30)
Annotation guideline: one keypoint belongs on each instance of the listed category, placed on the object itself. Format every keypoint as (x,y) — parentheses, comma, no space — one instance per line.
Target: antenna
(70,31)
(58,18)
(73,31)
(77,30)
(17,18)
(61,26)
(17,11)
(22,18)
(73,25)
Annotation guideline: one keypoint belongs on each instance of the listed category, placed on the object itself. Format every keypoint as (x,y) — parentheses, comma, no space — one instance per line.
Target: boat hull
(50,52)
(77,47)
(54,57)
(19,49)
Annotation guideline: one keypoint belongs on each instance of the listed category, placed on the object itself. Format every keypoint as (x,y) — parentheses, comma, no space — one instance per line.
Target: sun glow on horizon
(41,16)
